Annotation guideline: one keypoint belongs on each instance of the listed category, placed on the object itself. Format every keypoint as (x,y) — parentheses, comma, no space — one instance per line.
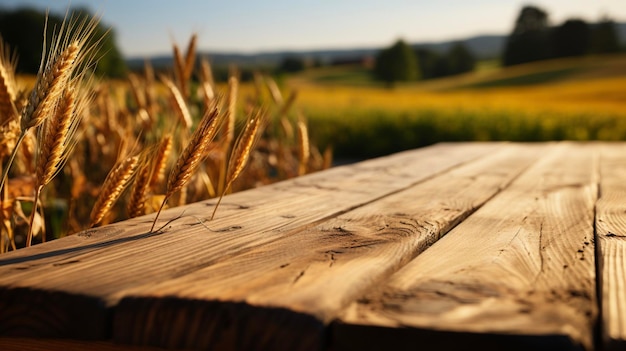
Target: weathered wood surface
(454,245)
(281,287)
(30,344)
(611,236)
(522,265)
(66,288)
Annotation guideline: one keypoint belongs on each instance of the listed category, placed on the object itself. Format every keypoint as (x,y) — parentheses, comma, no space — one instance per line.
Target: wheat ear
(193,154)
(277,97)
(137,200)
(115,182)
(137,91)
(159,163)
(56,138)
(47,90)
(180,107)
(304,147)
(242,150)
(190,57)
(67,54)
(207,81)
(8,88)
(287,105)
(229,130)
(56,135)
(55,71)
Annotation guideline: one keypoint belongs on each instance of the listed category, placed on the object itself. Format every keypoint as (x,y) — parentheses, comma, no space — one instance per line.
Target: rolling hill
(483,46)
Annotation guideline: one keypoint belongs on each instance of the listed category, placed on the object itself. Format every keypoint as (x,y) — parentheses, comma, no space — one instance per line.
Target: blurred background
(377,77)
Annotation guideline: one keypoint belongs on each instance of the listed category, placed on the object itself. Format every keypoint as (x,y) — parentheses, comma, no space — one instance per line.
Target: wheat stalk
(115,182)
(304,147)
(206,75)
(180,107)
(66,56)
(137,199)
(55,72)
(137,92)
(159,163)
(229,130)
(242,150)
(8,88)
(56,140)
(277,97)
(287,105)
(49,89)
(190,57)
(179,66)
(193,154)
(56,137)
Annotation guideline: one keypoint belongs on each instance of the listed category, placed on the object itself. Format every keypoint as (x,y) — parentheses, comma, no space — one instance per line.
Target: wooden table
(455,246)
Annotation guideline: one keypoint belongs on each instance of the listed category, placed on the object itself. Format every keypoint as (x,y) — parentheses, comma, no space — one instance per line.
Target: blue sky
(145,28)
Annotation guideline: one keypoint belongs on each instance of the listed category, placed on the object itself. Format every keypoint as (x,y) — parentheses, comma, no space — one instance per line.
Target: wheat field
(80,151)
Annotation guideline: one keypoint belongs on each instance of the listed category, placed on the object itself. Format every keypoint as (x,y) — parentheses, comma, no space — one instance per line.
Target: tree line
(23,30)
(533,38)
(401,62)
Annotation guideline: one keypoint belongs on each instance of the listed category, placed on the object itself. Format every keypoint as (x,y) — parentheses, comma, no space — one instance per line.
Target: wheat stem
(29,235)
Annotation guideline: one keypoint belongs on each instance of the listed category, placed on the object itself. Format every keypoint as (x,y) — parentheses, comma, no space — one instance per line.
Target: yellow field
(581,99)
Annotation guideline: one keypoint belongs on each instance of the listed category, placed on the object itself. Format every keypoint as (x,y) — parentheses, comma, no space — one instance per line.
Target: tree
(431,63)
(460,60)
(530,39)
(291,64)
(604,38)
(397,63)
(23,30)
(571,38)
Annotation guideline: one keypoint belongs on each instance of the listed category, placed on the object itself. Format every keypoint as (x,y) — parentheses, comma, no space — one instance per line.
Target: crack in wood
(300,275)
(541,258)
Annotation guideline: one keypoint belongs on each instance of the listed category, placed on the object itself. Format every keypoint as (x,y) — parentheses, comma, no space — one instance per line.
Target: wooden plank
(280,296)
(611,239)
(23,344)
(517,274)
(66,288)
(397,171)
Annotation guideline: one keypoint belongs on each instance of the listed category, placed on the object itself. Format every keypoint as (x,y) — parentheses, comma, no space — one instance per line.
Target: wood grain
(517,274)
(611,236)
(288,290)
(97,266)
(25,344)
